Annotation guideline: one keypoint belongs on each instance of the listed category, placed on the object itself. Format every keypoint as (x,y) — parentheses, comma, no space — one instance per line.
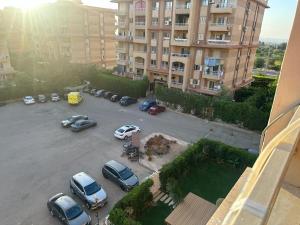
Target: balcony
(140,39)
(219,27)
(213,75)
(178,70)
(140,11)
(140,24)
(122,62)
(217,41)
(139,65)
(123,38)
(180,54)
(176,84)
(181,26)
(224,8)
(122,49)
(180,41)
(182,9)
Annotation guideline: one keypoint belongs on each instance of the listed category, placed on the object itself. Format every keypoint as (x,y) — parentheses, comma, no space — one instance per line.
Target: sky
(277,22)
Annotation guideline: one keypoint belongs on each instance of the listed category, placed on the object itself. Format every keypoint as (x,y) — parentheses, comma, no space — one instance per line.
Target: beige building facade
(193,45)
(64,29)
(6,70)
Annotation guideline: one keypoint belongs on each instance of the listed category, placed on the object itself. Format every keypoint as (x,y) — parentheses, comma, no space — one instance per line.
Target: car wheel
(105,176)
(88,205)
(122,187)
(51,212)
(126,138)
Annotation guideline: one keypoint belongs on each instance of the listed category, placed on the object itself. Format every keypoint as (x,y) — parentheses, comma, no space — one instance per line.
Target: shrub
(118,217)
(135,202)
(123,86)
(244,113)
(204,149)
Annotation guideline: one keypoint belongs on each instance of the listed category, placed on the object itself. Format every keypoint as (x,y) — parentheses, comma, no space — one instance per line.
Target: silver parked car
(120,174)
(67,210)
(86,188)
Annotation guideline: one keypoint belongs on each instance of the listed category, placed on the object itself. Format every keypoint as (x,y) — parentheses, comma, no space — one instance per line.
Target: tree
(259,62)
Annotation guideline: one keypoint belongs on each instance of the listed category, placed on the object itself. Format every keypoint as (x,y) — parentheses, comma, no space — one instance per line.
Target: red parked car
(154,110)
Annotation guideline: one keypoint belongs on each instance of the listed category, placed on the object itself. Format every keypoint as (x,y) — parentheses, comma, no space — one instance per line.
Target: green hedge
(232,112)
(132,205)
(204,149)
(123,86)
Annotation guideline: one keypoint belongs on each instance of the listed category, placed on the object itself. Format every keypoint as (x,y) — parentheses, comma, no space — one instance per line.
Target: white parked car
(126,131)
(55,97)
(28,100)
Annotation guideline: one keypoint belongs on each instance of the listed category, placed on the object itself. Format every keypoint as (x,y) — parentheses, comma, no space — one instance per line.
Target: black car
(120,174)
(69,121)
(108,95)
(100,93)
(115,98)
(67,210)
(83,124)
(93,91)
(126,100)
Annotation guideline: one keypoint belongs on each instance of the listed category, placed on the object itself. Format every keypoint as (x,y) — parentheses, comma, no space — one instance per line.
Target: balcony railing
(213,40)
(223,5)
(140,37)
(183,6)
(181,24)
(180,39)
(140,23)
(180,54)
(123,37)
(178,70)
(121,23)
(176,84)
(154,23)
(139,65)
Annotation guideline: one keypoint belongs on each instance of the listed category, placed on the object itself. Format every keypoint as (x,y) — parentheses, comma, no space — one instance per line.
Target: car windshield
(146,103)
(126,173)
(92,188)
(28,97)
(73,212)
(121,130)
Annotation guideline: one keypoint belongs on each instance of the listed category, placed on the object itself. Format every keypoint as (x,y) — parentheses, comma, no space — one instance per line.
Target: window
(166,51)
(180,79)
(153,62)
(168,5)
(211,85)
(204,2)
(166,35)
(153,35)
(165,64)
(197,67)
(153,50)
(154,21)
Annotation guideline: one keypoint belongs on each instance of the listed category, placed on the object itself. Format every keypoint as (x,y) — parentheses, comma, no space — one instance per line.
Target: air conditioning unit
(211,2)
(167,23)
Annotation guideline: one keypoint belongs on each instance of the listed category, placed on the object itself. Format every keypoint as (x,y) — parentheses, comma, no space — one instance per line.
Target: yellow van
(74,98)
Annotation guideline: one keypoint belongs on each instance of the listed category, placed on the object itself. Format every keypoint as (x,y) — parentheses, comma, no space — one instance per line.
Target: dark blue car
(146,105)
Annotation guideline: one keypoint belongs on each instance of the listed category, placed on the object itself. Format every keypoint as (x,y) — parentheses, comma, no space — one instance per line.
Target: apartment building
(67,28)
(193,45)
(6,70)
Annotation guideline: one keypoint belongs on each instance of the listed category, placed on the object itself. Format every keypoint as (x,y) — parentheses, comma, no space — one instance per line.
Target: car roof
(65,202)
(126,127)
(83,178)
(115,165)
(149,100)
(28,96)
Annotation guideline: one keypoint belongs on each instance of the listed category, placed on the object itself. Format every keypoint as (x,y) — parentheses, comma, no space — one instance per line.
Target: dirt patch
(158,145)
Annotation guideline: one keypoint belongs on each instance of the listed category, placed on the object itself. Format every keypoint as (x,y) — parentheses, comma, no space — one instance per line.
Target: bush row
(238,113)
(132,205)
(204,149)
(123,86)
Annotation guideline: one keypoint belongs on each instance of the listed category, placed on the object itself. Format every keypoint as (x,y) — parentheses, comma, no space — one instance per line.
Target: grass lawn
(210,180)
(156,215)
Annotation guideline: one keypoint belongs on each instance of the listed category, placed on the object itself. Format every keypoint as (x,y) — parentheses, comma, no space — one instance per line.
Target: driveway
(38,157)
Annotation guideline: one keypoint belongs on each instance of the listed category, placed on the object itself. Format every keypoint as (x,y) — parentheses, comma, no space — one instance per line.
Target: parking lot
(38,156)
